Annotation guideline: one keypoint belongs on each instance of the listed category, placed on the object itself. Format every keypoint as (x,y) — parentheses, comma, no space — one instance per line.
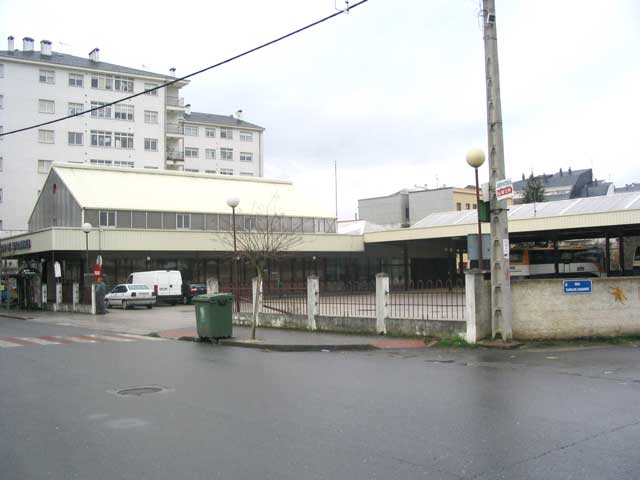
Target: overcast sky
(394,91)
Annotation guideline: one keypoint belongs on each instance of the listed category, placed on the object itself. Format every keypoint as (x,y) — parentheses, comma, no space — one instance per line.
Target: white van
(166,284)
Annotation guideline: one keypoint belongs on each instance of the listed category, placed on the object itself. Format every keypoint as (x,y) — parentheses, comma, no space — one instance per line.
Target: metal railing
(347,303)
(175,155)
(175,128)
(433,301)
(175,101)
(284,299)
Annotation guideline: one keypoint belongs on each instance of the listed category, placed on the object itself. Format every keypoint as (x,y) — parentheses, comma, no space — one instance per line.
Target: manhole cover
(139,391)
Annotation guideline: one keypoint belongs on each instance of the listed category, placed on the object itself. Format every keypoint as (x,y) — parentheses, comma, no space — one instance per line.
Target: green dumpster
(213,314)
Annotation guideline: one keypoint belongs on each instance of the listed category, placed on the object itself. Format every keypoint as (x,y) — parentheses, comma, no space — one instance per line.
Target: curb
(279,347)
(14,317)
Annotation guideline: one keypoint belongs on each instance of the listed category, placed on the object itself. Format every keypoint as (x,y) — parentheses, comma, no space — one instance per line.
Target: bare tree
(263,239)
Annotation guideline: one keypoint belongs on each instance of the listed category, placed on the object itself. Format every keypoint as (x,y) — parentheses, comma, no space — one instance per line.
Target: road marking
(110,338)
(40,340)
(68,340)
(62,340)
(141,337)
(5,344)
(19,341)
(82,339)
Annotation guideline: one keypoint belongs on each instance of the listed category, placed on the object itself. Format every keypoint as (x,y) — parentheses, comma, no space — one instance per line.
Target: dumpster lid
(212,297)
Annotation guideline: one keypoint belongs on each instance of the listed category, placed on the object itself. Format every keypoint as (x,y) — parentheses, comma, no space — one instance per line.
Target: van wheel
(149,307)
(173,304)
(106,304)
(125,305)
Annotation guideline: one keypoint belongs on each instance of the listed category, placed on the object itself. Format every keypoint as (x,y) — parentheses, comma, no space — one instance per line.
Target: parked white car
(130,295)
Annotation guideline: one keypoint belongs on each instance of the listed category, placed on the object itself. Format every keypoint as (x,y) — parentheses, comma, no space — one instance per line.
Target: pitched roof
(72,61)
(564,179)
(225,120)
(171,191)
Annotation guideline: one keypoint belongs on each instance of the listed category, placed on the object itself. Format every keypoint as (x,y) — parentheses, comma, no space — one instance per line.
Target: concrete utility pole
(500,275)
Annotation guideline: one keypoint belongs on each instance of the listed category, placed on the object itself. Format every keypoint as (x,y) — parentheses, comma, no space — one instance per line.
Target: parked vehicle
(130,295)
(166,284)
(541,262)
(190,290)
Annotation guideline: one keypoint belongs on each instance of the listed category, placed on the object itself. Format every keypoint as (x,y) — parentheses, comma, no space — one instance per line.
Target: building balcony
(174,129)
(175,155)
(175,102)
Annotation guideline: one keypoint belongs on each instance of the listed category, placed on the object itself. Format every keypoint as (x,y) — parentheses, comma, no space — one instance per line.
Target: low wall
(67,307)
(425,328)
(272,320)
(541,310)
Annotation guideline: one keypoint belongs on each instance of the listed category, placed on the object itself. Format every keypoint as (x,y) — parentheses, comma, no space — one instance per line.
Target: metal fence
(435,301)
(284,299)
(347,303)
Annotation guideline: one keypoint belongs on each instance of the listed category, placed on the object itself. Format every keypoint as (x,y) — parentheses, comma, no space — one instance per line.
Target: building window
(246,174)
(108,218)
(102,163)
(46,106)
(1,196)
(151,168)
(190,152)
(190,130)
(103,82)
(123,163)
(475,207)
(75,138)
(123,140)
(246,136)
(149,86)
(1,131)
(226,153)
(44,166)
(246,157)
(123,112)
(226,171)
(210,154)
(226,133)
(183,220)
(45,136)
(151,144)
(458,206)
(101,138)
(47,76)
(150,116)
(76,80)
(192,170)
(102,112)
(75,108)
(123,84)
(210,132)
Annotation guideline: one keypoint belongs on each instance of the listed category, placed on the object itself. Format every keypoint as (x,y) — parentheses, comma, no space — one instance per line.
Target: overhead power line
(164,85)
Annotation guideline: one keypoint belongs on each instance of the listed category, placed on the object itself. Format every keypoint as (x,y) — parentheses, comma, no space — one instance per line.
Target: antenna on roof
(345,10)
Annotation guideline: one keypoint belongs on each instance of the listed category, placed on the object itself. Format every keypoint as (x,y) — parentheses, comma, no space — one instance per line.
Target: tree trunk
(256,303)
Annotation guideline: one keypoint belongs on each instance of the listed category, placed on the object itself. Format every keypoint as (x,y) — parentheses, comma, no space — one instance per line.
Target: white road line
(78,340)
(111,339)
(142,337)
(39,341)
(4,344)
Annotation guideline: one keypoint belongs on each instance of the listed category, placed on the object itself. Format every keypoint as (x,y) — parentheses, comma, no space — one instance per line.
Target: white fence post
(213,286)
(94,307)
(58,295)
(478,306)
(382,302)
(313,294)
(76,294)
(257,297)
(43,299)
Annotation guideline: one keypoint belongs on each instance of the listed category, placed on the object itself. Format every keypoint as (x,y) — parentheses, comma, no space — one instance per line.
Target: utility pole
(500,275)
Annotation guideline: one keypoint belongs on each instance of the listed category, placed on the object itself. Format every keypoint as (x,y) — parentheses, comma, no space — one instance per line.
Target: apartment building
(149,131)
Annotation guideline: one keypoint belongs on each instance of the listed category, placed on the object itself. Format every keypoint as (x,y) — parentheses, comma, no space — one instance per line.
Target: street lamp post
(86,228)
(233,202)
(475,158)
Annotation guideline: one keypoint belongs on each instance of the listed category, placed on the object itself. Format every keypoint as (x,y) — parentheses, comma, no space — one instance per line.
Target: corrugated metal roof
(576,206)
(358,227)
(225,120)
(72,61)
(169,191)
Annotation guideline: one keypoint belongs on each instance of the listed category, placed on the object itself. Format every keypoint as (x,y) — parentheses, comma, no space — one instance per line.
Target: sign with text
(577,286)
(504,189)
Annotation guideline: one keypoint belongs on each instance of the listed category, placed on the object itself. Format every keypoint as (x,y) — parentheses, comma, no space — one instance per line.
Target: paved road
(237,413)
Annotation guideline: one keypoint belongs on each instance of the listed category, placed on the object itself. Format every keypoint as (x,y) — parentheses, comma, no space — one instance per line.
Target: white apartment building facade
(149,131)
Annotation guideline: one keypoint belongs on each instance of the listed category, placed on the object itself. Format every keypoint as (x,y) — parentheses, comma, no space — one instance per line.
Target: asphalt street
(233,413)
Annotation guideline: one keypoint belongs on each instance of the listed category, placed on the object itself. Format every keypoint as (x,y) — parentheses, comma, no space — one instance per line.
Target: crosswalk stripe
(5,344)
(19,341)
(39,340)
(81,339)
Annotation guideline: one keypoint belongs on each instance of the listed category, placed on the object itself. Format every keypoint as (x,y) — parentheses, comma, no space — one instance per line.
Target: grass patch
(454,342)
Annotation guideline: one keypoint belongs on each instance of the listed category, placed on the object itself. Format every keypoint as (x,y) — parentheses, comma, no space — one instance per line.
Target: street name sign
(577,286)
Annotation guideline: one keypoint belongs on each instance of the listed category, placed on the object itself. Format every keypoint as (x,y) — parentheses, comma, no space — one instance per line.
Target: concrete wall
(426,202)
(55,208)
(542,311)
(384,210)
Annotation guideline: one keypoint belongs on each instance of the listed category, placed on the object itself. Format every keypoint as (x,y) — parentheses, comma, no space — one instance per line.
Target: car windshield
(138,287)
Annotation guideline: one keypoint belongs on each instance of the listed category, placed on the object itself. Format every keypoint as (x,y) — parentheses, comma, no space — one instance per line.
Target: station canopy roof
(109,188)
(578,206)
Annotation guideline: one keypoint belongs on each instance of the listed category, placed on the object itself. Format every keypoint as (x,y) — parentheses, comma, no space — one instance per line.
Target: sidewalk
(297,340)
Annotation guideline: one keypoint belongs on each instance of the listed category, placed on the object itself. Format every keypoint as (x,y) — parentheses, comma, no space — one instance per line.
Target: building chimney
(569,170)
(561,172)
(238,115)
(27,44)
(45,47)
(10,46)
(523,177)
(187,109)
(172,71)
(94,55)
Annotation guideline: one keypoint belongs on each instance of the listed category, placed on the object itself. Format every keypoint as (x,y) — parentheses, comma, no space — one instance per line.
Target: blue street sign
(577,286)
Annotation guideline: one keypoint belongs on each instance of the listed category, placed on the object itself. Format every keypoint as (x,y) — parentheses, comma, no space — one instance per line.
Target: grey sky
(394,91)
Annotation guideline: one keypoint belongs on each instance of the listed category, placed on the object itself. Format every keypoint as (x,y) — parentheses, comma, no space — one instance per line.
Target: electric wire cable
(164,85)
